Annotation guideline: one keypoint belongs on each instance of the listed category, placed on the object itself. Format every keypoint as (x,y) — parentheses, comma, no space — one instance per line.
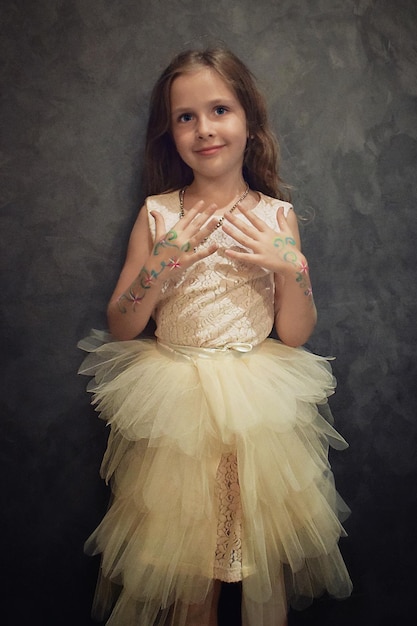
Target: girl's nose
(204,128)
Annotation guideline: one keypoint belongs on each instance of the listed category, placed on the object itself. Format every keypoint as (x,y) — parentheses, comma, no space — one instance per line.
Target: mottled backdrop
(341,81)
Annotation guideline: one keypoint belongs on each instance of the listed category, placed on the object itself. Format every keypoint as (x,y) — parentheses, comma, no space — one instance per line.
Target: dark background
(341,82)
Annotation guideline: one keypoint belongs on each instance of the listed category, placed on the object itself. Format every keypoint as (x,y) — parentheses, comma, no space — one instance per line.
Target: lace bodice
(217,300)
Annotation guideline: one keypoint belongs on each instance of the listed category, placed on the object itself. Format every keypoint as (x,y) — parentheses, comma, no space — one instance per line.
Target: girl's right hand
(149,263)
(180,247)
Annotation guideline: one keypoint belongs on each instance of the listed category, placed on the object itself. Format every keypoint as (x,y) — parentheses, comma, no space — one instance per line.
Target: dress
(217,453)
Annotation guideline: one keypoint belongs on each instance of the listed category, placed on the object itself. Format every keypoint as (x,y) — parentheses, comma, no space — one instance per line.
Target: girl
(217,452)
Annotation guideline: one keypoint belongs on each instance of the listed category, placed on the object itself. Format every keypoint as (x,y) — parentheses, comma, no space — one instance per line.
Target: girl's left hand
(276,251)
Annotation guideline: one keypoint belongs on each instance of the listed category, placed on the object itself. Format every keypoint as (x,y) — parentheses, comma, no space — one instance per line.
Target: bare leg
(215,603)
(205,614)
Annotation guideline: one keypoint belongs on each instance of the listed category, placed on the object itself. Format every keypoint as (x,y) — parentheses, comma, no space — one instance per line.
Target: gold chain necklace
(221,219)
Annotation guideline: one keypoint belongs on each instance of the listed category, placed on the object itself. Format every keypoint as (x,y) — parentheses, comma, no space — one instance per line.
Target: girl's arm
(296,313)
(126,319)
(280,252)
(149,264)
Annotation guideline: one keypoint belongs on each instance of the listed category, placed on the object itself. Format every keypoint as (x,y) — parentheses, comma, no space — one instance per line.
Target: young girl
(217,452)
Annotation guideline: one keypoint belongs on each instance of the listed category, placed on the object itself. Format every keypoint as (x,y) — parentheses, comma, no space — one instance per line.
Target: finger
(256,221)
(238,224)
(282,220)
(285,227)
(204,233)
(198,214)
(205,220)
(247,257)
(191,213)
(249,240)
(159,225)
(204,251)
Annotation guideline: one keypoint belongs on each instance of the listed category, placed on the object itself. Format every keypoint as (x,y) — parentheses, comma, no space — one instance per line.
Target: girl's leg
(205,614)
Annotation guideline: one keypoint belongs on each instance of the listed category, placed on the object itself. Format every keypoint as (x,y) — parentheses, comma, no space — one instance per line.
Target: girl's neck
(220,192)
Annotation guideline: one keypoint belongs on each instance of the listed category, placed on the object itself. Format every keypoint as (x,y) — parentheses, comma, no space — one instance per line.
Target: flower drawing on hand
(130,296)
(147,280)
(166,242)
(303,267)
(174,263)
(135,299)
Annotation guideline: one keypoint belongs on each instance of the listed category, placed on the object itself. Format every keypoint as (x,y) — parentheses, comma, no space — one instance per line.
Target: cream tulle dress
(217,453)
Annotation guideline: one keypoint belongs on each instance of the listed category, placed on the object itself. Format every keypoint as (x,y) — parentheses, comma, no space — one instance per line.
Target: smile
(209,150)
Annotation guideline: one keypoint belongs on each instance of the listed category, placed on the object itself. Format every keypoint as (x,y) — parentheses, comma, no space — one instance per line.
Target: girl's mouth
(209,150)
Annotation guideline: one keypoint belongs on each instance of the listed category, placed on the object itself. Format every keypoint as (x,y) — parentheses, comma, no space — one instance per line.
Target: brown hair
(164,170)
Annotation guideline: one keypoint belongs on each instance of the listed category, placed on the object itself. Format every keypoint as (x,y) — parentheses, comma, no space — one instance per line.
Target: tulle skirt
(178,416)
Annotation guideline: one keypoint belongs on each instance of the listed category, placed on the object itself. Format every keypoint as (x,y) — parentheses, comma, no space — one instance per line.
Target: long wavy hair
(164,170)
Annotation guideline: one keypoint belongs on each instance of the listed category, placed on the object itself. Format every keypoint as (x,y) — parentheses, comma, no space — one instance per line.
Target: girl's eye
(220,110)
(185,117)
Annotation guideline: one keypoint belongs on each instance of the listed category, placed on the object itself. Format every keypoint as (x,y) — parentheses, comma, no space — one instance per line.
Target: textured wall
(341,81)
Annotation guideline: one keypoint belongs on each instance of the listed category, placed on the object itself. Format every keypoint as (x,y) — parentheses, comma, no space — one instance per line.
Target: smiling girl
(217,453)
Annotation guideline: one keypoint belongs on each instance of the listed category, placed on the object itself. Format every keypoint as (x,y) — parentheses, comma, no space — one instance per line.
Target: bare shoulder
(275,203)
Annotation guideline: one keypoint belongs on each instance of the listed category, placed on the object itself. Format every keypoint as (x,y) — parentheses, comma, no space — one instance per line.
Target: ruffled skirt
(181,419)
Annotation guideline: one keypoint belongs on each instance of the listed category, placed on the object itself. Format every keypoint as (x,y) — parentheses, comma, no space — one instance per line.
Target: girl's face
(208,124)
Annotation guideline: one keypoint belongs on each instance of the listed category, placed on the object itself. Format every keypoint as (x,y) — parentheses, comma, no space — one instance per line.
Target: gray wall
(341,81)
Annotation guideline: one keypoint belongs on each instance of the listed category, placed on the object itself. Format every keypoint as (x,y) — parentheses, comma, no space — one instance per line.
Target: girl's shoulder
(272,204)
(167,204)
(168,201)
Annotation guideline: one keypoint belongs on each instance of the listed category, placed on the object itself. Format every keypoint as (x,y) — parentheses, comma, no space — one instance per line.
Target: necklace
(221,219)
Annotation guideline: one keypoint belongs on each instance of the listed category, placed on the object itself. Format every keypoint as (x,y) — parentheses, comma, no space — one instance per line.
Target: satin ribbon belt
(191,351)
